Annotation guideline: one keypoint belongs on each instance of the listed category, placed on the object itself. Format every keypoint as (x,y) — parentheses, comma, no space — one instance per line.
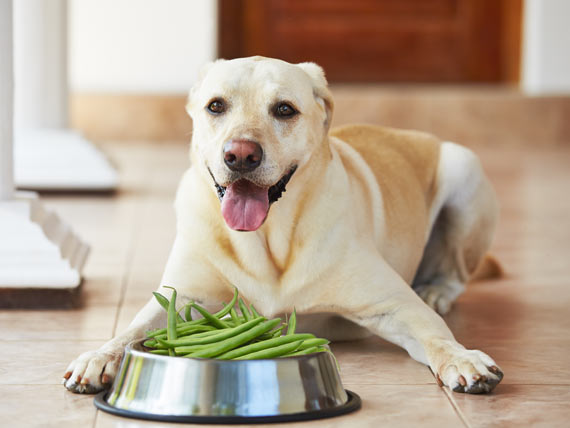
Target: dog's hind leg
(463,217)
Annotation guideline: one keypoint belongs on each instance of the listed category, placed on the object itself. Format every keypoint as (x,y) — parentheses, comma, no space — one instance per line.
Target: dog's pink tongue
(245,205)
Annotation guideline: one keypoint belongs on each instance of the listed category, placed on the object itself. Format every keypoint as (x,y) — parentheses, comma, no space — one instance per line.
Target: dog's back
(405,166)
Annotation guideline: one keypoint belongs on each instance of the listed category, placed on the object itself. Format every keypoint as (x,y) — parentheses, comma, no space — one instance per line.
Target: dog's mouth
(245,205)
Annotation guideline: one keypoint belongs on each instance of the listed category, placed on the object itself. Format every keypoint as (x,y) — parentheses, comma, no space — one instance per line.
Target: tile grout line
(124,282)
(463,418)
(451,401)
(95,418)
(129,265)
(126,276)
(135,236)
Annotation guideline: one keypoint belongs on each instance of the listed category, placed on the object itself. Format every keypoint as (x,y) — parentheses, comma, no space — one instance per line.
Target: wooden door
(380,40)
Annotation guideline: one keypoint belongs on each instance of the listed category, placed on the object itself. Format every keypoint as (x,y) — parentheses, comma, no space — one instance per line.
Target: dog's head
(256,122)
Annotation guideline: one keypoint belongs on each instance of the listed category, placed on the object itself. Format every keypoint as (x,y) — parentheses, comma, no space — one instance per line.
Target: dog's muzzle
(274,192)
(245,204)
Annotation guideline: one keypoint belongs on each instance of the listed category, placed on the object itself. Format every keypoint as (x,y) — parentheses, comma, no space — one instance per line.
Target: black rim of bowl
(353,403)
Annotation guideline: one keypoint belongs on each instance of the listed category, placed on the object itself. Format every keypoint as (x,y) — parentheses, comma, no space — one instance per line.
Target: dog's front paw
(470,371)
(92,372)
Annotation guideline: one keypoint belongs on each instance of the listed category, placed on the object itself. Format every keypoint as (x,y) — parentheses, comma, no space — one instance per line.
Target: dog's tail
(489,268)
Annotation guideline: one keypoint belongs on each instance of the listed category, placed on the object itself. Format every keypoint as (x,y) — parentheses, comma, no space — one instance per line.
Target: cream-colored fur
(346,240)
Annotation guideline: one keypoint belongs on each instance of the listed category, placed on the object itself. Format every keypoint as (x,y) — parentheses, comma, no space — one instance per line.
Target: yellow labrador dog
(352,227)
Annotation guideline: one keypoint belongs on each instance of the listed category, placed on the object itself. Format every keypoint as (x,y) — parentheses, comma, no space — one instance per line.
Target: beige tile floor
(522,320)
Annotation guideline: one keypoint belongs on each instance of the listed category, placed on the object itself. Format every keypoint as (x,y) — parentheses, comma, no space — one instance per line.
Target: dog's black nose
(242,155)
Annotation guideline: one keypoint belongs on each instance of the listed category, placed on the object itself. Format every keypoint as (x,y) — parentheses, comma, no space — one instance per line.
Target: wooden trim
(131,117)
(461,113)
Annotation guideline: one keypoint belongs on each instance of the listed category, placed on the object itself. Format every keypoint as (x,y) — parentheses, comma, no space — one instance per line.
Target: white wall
(158,46)
(40,64)
(546,47)
(139,46)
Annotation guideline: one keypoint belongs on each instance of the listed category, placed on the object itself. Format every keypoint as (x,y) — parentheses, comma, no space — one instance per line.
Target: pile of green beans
(228,334)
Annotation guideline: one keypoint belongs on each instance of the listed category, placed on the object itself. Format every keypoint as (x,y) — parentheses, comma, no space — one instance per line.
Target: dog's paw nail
(84,381)
(497,371)
(477,377)
(462,380)
(105,379)
(438,380)
(78,379)
(458,388)
(67,375)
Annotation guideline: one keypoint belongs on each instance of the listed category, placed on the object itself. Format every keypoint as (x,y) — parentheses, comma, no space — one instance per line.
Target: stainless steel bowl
(178,389)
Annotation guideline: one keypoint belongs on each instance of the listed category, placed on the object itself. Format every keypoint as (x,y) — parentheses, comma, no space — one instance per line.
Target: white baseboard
(37,249)
(61,160)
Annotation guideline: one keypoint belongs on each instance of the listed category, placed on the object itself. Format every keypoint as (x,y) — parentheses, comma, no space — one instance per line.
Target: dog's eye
(217,107)
(284,110)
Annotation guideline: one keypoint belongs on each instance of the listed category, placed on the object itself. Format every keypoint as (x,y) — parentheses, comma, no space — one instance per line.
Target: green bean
(162,344)
(213,330)
(229,322)
(196,336)
(188,312)
(185,350)
(151,343)
(216,322)
(232,323)
(179,328)
(313,342)
(163,301)
(171,332)
(193,329)
(235,341)
(243,309)
(271,334)
(292,323)
(155,332)
(307,351)
(228,335)
(274,352)
(278,332)
(201,321)
(253,311)
(227,308)
(235,317)
(222,335)
(259,346)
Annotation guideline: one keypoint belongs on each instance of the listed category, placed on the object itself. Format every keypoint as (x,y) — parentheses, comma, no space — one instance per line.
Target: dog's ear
(320,88)
(201,74)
